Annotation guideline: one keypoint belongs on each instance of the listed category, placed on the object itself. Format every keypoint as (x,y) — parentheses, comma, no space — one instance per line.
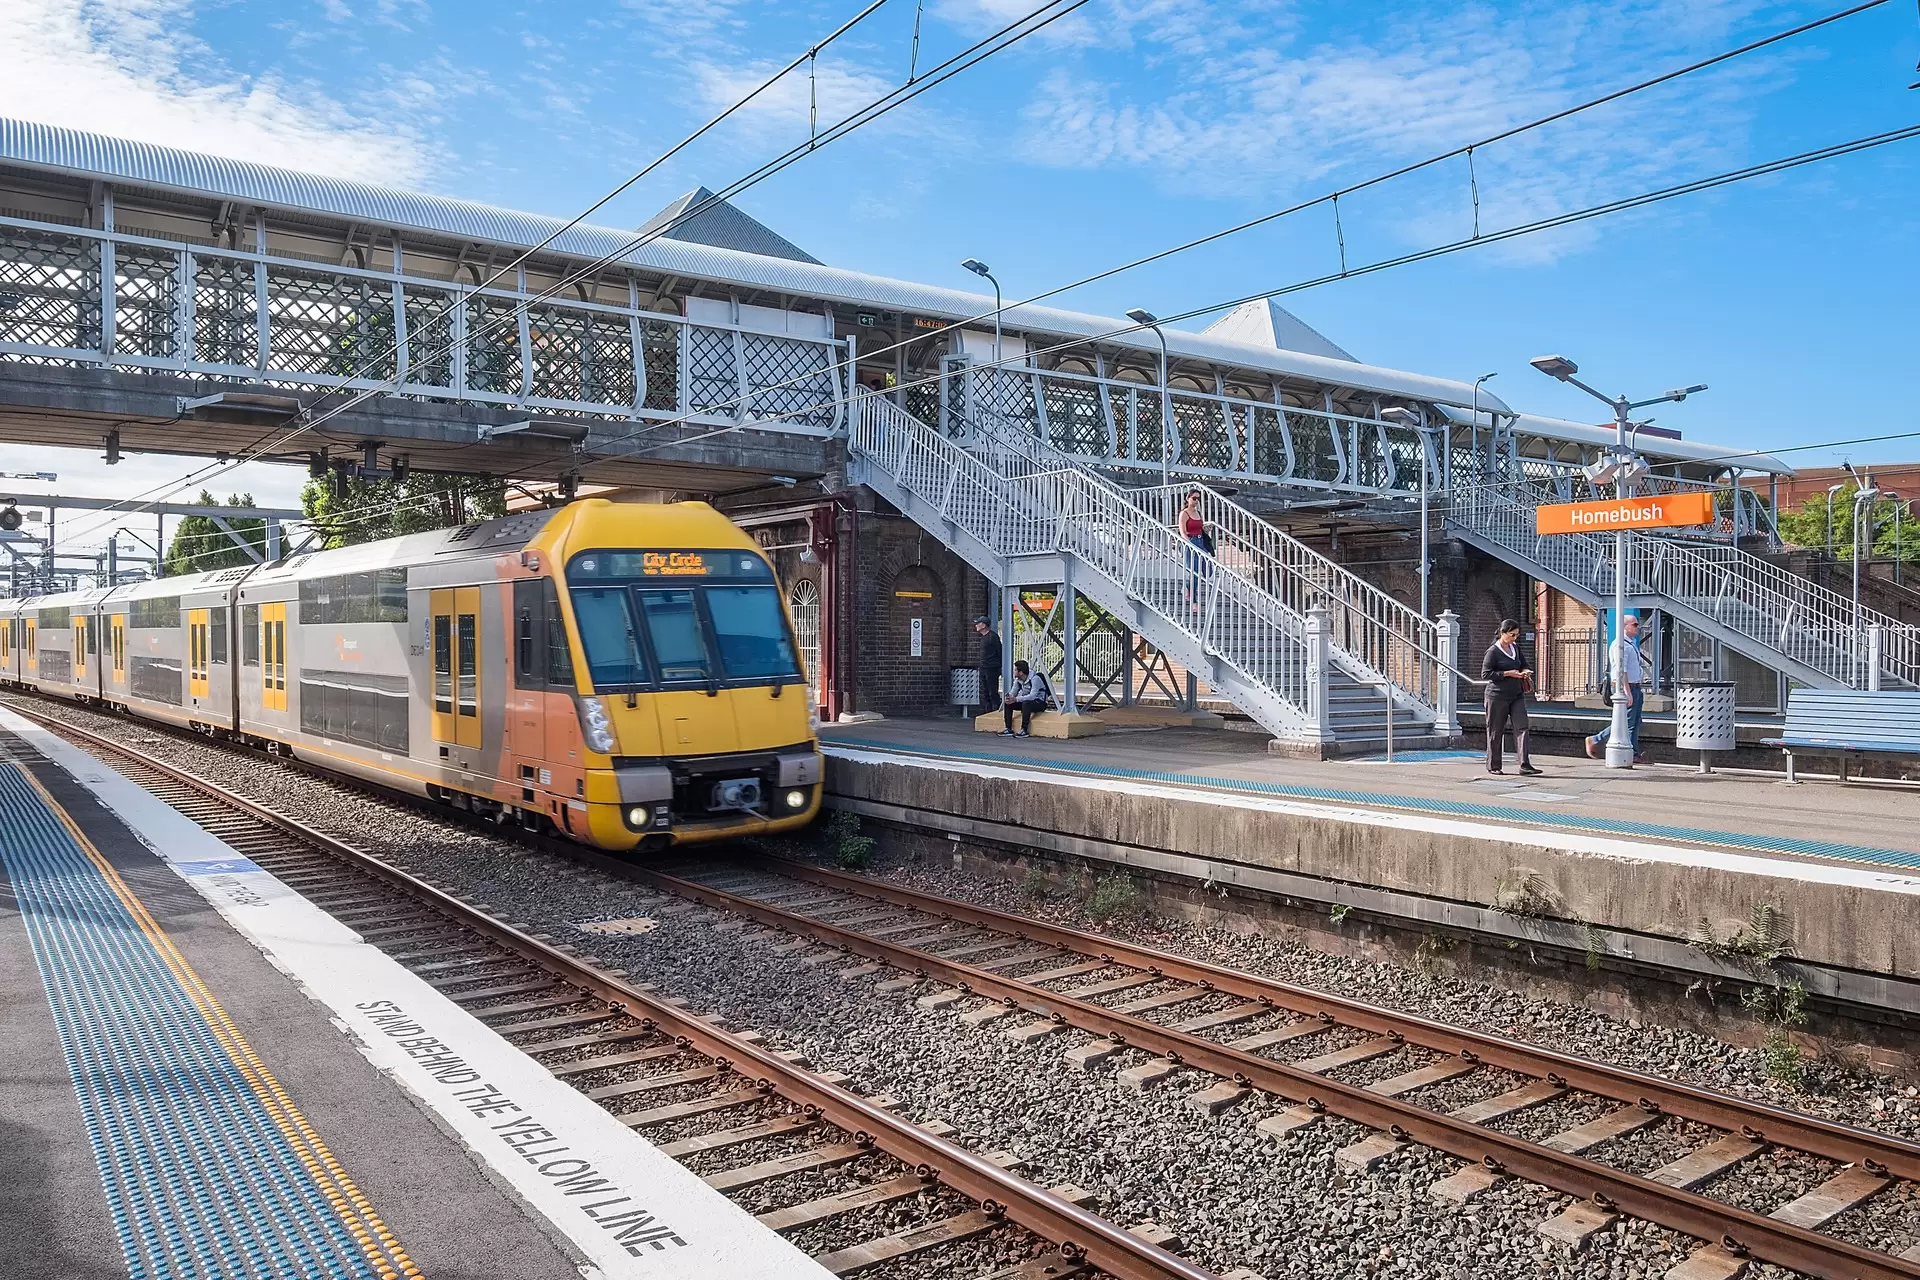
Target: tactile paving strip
(1740,840)
(210,1172)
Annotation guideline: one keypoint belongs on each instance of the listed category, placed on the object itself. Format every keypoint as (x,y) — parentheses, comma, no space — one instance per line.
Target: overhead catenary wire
(1212,237)
(1332,197)
(732,109)
(1623,204)
(1001,39)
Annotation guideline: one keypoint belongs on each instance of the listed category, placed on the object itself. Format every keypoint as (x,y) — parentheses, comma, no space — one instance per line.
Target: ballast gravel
(1237,1198)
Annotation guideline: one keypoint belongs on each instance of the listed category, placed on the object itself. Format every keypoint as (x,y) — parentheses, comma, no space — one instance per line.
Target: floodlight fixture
(1635,470)
(1681,393)
(1602,472)
(1555,366)
(1140,315)
(978,267)
(1404,417)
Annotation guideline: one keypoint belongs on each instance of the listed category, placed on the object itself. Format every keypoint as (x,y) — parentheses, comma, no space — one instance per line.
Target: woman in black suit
(1508,678)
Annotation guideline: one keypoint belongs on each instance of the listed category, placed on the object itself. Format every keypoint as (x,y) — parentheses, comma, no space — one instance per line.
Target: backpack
(1045,687)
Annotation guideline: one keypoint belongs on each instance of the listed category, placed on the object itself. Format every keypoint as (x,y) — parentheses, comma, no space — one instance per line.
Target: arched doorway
(803,601)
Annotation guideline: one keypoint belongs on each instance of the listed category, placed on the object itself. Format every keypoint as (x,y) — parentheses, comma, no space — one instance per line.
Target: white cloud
(131,68)
(1251,109)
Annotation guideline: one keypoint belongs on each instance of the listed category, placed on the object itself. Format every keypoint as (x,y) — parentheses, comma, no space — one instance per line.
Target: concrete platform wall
(1853,929)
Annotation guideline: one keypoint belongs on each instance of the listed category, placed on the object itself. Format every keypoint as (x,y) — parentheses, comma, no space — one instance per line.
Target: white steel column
(1447,690)
(1070,638)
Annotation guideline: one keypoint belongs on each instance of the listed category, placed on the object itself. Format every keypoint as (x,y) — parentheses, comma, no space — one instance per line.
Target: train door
(117,643)
(30,648)
(79,651)
(197,666)
(455,614)
(273,657)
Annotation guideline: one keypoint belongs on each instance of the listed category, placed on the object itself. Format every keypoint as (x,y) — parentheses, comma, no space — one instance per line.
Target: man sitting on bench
(1030,693)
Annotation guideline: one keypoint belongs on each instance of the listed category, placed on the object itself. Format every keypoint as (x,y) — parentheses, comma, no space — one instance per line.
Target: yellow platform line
(382,1248)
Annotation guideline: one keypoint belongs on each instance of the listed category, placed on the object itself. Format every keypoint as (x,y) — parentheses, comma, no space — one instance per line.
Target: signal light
(10,518)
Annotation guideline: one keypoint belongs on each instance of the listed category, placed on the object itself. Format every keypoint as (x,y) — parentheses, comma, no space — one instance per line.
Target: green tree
(368,510)
(1895,527)
(200,545)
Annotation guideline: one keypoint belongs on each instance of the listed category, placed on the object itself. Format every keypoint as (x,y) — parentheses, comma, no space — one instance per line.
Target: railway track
(1040,979)
(1004,965)
(624,1043)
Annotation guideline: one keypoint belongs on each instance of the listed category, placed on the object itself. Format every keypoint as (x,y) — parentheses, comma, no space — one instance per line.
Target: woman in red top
(1193,527)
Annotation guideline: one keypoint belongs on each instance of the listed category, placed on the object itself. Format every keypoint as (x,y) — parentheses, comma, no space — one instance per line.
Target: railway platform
(210,1078)
(1660,867)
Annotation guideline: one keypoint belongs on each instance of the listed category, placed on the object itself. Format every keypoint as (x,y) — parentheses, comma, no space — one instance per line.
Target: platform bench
(1849,725)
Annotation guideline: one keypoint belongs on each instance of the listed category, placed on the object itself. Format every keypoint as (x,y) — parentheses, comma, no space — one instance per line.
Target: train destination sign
(1663,510)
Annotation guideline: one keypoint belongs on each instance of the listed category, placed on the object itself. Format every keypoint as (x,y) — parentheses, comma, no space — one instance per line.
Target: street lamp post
(1863,499)
(979,268)
(1831,490)
(1408,418)
(1140,315)
(1624,468)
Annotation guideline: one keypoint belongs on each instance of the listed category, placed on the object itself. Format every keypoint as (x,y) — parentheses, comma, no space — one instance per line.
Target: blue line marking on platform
(201,1183)
(1739,840)
(220,867)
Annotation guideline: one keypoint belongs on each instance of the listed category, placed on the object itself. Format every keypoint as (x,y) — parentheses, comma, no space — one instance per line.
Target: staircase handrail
(1807,622)
(1070,511)
(1378,634)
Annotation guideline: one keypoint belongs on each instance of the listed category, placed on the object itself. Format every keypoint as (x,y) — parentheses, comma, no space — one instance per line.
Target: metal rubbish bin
(1703,717)
(963,688)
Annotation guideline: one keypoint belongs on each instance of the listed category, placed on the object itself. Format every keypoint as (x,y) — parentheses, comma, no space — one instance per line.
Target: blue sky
(1128,126)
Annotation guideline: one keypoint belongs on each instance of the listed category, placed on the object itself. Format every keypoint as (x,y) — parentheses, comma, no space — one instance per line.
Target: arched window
(803,599)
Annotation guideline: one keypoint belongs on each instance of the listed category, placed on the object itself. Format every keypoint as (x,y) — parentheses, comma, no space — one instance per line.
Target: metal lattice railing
(78,297)
(1115,423)
(1138,559)
(1766,611)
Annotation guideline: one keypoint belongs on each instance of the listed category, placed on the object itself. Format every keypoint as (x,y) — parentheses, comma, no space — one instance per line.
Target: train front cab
(691,711)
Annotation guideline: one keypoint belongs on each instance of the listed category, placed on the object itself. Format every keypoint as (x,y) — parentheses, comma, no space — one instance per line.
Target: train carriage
(625,674)
(59,643)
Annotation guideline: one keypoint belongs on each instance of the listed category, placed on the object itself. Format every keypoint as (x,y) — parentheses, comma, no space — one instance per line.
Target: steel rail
(1809,1134)
(1738,1230)
(1080,1235)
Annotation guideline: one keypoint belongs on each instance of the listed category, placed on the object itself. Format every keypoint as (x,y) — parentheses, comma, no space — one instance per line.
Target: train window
(673,625)
(249,635)
(163,612)
(529,634)
(559,655)
(93,638)
(468,640)
(750,630)
(218,634)
(390,595)
(443,663)
(605,618)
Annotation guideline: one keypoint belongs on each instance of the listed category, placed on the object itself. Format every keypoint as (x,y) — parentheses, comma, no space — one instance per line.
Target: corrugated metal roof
(96,156)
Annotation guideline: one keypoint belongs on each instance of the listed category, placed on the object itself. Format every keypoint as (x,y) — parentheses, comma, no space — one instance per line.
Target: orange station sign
(1658,511)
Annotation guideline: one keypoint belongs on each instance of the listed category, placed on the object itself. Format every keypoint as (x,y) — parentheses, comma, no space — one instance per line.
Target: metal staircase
(1776,618)
(1258,621)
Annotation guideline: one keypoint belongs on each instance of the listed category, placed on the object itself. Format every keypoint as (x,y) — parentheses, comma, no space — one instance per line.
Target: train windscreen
(661,618)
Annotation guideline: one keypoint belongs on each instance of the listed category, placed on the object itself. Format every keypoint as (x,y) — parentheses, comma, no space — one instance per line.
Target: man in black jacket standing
(989,665)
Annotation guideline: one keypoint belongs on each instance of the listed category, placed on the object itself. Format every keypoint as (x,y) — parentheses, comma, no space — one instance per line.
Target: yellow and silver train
(623,674)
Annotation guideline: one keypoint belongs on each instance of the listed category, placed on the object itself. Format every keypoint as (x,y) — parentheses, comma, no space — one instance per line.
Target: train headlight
(639,815)
(796,799)
(597,726)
